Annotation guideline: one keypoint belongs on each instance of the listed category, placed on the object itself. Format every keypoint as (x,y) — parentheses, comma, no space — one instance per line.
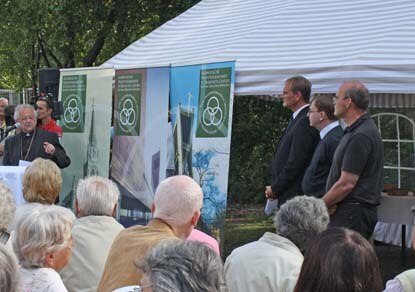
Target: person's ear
(49,260)
(195,218)
(114,210)
(322,115)
(77,211)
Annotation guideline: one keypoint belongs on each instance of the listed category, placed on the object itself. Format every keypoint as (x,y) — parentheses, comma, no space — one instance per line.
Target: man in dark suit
(33,142)
(296,146)
(321,116)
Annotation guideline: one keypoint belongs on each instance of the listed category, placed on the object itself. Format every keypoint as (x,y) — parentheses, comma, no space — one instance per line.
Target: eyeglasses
(311,111)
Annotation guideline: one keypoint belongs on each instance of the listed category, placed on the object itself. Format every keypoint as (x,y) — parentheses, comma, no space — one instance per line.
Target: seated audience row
(301,256)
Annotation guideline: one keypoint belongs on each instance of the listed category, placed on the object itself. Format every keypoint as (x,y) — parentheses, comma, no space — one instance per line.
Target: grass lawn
(245,223)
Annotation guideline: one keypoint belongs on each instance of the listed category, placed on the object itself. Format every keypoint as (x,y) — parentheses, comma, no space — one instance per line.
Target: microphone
(11,128)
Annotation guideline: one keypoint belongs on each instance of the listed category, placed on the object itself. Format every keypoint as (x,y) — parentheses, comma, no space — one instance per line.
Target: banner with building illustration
(201,102)
(86,94)
(140,147)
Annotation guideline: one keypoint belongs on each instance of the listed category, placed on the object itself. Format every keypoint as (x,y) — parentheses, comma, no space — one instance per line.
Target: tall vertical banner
(201,102)
(140,150)
(86,95)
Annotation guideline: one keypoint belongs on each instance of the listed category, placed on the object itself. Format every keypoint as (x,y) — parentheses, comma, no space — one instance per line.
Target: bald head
(177,199)
(357,92)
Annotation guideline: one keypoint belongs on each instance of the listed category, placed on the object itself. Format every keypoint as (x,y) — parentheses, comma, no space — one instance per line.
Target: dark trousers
(356,216)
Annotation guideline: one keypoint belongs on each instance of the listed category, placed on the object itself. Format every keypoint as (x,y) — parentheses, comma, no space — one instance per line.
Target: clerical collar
(28,134)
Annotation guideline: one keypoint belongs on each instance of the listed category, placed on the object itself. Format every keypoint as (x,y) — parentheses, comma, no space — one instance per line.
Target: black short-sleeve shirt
(360,152)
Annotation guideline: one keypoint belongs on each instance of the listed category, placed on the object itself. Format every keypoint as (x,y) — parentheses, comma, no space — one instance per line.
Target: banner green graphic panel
(73,99)
(214,97)
(128,112)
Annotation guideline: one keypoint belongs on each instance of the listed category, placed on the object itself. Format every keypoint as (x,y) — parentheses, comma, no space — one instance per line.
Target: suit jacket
(315,177)
(13,146)
(292,156)
(129,247)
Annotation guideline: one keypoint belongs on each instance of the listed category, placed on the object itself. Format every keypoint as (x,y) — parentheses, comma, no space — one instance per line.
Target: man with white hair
(33,142)
(273,263)
(176,210)
(94,232)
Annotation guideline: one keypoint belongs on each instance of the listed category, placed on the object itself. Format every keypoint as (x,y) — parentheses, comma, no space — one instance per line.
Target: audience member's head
(7,207)
(9,273)
(42,181)
(43,236)
(176,265)
(96,196)
(301,219)
(340,260)
(178,201)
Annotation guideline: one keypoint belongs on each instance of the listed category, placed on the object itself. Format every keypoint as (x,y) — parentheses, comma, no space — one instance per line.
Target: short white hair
(181,265)
(300,219)
(5,100)
(41,229)
(177,198)
(96,196)
(7,207)
(21,107)
(9,272)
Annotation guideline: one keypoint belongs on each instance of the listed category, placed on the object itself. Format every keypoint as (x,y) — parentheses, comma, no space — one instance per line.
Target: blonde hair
(42,182)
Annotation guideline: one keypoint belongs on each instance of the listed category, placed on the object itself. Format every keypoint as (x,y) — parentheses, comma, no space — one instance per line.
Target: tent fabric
(327,41)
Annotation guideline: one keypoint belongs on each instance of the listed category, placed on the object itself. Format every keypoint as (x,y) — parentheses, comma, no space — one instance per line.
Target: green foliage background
(257,127)
(72,33)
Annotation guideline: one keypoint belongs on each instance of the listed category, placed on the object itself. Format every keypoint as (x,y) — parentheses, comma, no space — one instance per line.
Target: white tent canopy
(326,41)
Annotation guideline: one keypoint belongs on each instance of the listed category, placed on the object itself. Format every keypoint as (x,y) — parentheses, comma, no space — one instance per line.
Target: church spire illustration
(91,164)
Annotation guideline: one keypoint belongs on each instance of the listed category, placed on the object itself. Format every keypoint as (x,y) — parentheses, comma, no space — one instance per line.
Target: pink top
(200,236)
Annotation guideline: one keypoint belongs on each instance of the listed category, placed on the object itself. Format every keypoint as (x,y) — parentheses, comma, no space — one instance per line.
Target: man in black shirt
(321,116)
(354,184)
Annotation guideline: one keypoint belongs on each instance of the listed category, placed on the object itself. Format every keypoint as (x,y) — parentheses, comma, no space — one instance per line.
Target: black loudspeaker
(49,81)
(49,88)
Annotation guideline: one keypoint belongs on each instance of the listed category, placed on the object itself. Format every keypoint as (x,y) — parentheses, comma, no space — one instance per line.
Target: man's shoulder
(100,224)
(12,139)
(140,234)
(334,134)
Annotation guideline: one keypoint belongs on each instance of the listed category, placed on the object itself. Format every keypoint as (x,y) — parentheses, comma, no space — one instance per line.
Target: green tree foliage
(257,127)
(72,33)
